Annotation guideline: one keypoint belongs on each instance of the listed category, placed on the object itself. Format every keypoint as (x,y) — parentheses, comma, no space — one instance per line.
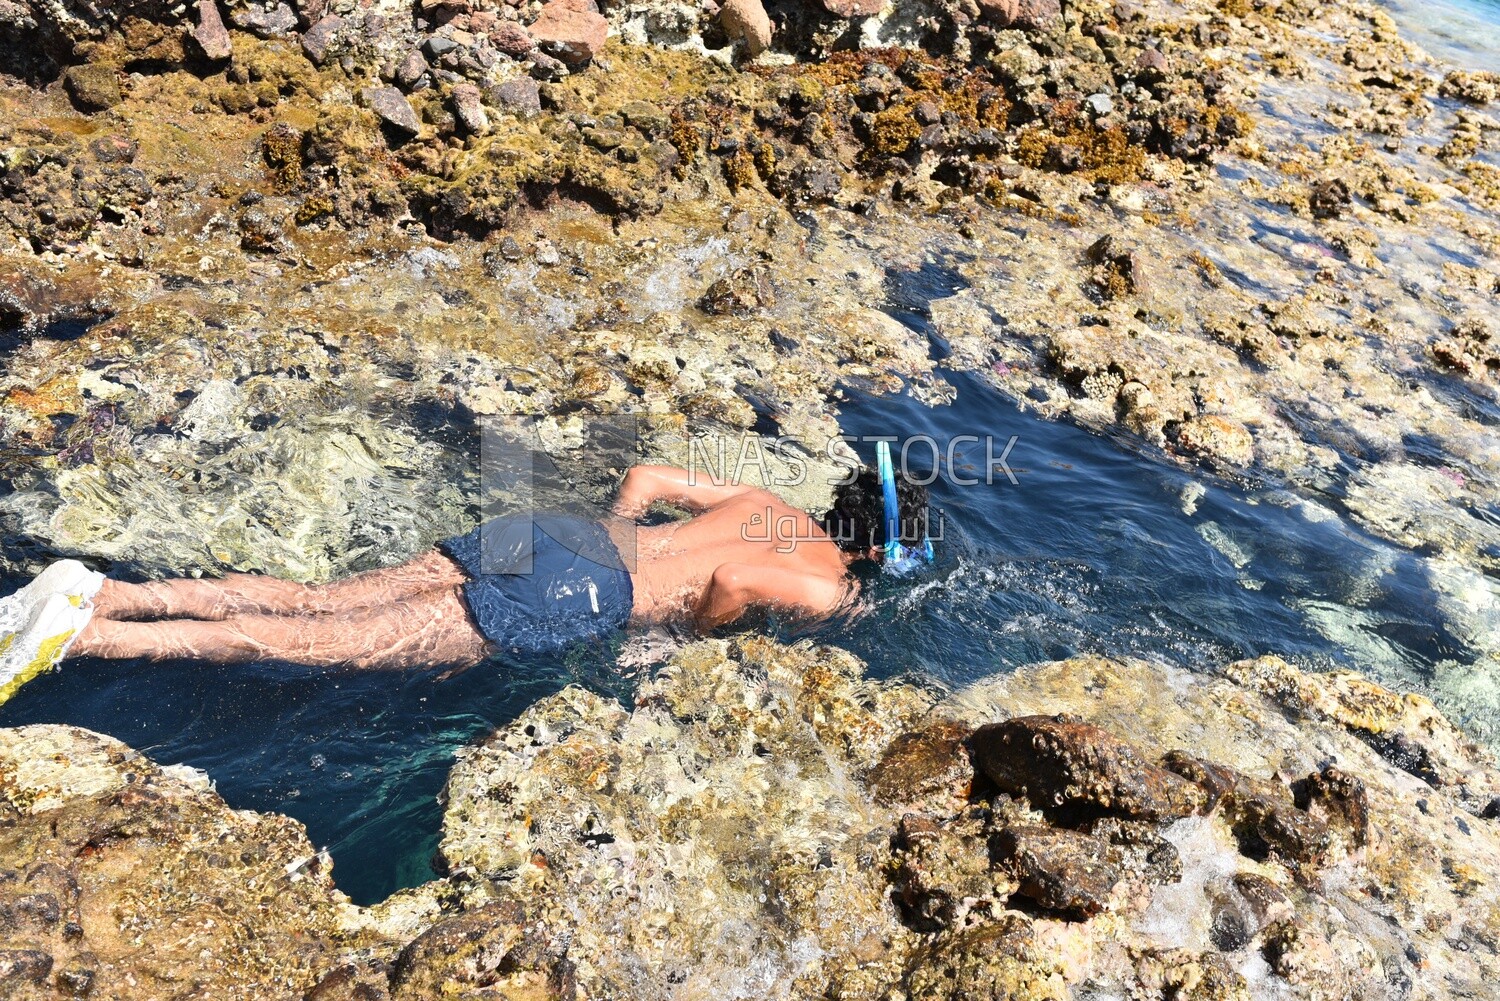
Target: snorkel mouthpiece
(899,559)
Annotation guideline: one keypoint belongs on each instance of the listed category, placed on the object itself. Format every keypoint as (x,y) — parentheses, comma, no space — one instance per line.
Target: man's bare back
(744,548)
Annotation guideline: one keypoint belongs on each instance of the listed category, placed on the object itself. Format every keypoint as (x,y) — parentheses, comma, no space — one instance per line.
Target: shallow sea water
(1097,547)
(1465,33)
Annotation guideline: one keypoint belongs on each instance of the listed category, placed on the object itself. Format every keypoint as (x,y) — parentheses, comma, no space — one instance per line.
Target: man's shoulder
(763,498)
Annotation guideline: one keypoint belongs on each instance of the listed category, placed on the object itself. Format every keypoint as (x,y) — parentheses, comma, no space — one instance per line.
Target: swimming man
(743,548)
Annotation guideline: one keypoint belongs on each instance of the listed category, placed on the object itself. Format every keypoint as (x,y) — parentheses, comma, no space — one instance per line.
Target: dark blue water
(1093,550)
(1096,547)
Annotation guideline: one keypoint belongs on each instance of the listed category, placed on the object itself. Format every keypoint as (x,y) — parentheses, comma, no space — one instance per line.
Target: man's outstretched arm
(696,491)
(737,587)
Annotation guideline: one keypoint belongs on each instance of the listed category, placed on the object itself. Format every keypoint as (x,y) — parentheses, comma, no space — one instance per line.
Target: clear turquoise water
(1465,33)
(1096,548)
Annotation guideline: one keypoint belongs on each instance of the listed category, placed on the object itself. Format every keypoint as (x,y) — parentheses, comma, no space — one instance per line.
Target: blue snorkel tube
(899,559)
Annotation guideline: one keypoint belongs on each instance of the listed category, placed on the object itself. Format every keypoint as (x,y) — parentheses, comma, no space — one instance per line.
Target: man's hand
(645,485)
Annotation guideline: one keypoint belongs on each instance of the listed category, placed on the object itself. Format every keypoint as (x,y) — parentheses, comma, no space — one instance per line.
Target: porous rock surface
(267,242)
(1258,237)
(742,831)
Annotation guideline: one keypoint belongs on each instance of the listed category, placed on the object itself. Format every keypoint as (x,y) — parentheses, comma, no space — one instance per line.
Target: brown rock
(352,982)
(1337,799)
(468,109)
(1033,15)
(1142,851)
(746,21)
(1184,974)
(1151,66)
(114,149)
(411,70)
(1470,348)
(1119,268)
(1479,87)
(1261,813)
(19,966)
(944,869)
(466,950)
(1074,769)
(1305,959)
(1059,870)
(315,40)
(262,21)
(260,231)
(1216,440)
(739,293)
(927,764)
(487,951)
(520,96)
(1329,198)
(87,806)
(853,8)
(572,30)
(311,11)
(992,959)
(211,37)
(392,107)
(443,11)
(512,39)
(92,88)
(1267,901)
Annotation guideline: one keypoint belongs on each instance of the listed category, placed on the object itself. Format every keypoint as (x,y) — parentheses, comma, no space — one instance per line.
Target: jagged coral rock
(727,796)
(149,880)
(718,838)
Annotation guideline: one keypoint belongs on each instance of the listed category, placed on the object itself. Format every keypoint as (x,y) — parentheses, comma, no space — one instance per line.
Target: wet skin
(743,548)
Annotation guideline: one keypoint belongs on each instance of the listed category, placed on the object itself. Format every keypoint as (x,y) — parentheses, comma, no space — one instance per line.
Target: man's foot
(34,619)
(63,577)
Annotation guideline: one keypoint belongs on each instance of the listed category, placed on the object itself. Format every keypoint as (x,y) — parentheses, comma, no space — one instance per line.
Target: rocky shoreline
(765,822)
(1257,236)
(256,259)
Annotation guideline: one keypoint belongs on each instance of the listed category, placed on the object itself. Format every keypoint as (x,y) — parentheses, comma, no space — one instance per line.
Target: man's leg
(426,630)
(256,594)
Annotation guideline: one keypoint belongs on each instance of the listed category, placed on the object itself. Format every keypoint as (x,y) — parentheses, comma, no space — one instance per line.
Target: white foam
(1181,914)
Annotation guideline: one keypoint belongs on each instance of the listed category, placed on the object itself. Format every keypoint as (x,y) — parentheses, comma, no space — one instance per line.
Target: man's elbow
(731,580)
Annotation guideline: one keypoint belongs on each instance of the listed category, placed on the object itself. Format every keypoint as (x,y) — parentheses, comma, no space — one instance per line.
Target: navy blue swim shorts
(552,580)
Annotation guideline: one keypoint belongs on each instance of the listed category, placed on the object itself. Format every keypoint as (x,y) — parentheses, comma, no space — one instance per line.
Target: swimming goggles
(899,559)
